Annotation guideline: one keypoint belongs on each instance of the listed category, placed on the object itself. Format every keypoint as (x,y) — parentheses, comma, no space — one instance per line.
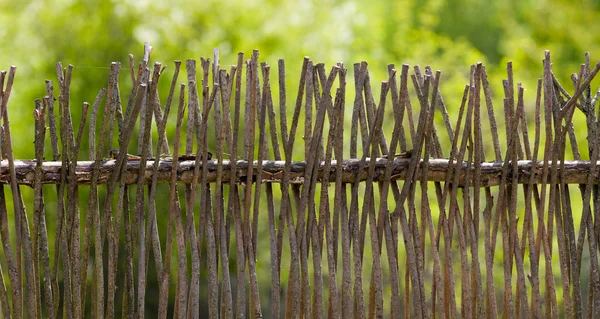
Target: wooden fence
(465,233)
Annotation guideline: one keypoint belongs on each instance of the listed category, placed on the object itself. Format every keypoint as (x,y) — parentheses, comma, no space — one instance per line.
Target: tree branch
(576,172)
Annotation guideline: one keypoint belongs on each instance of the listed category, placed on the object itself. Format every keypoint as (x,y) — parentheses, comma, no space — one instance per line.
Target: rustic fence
(466,232)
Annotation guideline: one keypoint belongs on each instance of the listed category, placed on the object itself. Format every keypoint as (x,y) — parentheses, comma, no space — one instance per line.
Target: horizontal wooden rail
(576,172)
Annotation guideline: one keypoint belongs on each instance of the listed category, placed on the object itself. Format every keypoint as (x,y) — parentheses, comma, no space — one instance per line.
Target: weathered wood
(423,246)
(575,172)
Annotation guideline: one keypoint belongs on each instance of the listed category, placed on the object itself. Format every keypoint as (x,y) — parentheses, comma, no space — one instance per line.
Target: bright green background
(449,36)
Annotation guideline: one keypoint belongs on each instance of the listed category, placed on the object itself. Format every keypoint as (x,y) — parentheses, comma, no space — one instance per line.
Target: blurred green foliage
(448,35)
